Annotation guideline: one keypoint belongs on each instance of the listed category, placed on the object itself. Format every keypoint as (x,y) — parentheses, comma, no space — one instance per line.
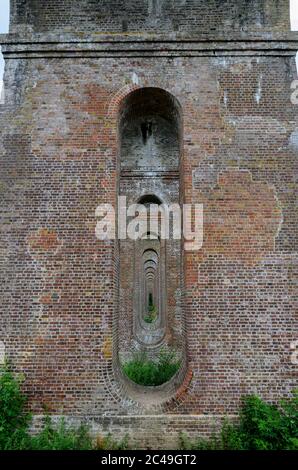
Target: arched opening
(148,199)
(150,283)
(150,299)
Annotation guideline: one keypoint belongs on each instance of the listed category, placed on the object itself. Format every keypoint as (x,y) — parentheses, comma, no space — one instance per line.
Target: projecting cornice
(129,45)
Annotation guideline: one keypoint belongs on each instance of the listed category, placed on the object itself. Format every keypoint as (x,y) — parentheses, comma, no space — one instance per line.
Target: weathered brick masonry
(214,80)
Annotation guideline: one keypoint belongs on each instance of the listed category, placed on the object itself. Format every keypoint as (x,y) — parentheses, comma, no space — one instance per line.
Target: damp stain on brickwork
(44,242)
(79,129)
(242,218)
(107,348)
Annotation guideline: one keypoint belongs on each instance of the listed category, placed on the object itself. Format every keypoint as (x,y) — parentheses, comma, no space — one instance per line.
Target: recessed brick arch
(169,114)
(118,98)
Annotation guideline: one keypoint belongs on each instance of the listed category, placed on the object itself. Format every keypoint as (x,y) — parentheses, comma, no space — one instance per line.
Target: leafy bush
(268,427)
(14,421)
(61,438)
(64,438)
(144,371)
(262,426)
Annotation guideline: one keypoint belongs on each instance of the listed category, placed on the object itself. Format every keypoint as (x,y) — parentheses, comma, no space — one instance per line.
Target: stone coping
(147,49)
(82,36)
(96,45)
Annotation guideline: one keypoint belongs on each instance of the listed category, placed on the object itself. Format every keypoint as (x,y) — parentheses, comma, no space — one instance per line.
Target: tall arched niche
(150,147)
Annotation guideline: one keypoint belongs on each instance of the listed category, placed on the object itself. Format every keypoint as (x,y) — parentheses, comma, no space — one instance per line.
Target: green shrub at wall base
(14,421)
(262,426)
(60,438)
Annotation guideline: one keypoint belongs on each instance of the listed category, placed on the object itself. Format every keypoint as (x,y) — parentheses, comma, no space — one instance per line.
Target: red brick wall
(200,17)
(59,287)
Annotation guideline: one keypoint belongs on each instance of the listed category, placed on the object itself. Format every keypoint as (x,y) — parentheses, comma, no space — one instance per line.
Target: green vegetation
(262,426)
(152,310)
(152,314)
(144,371)
(15,422)
(108,443)
(61,438)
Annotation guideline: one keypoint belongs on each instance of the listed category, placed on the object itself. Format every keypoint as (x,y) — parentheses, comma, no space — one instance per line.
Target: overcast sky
(4,18)
(294,14)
